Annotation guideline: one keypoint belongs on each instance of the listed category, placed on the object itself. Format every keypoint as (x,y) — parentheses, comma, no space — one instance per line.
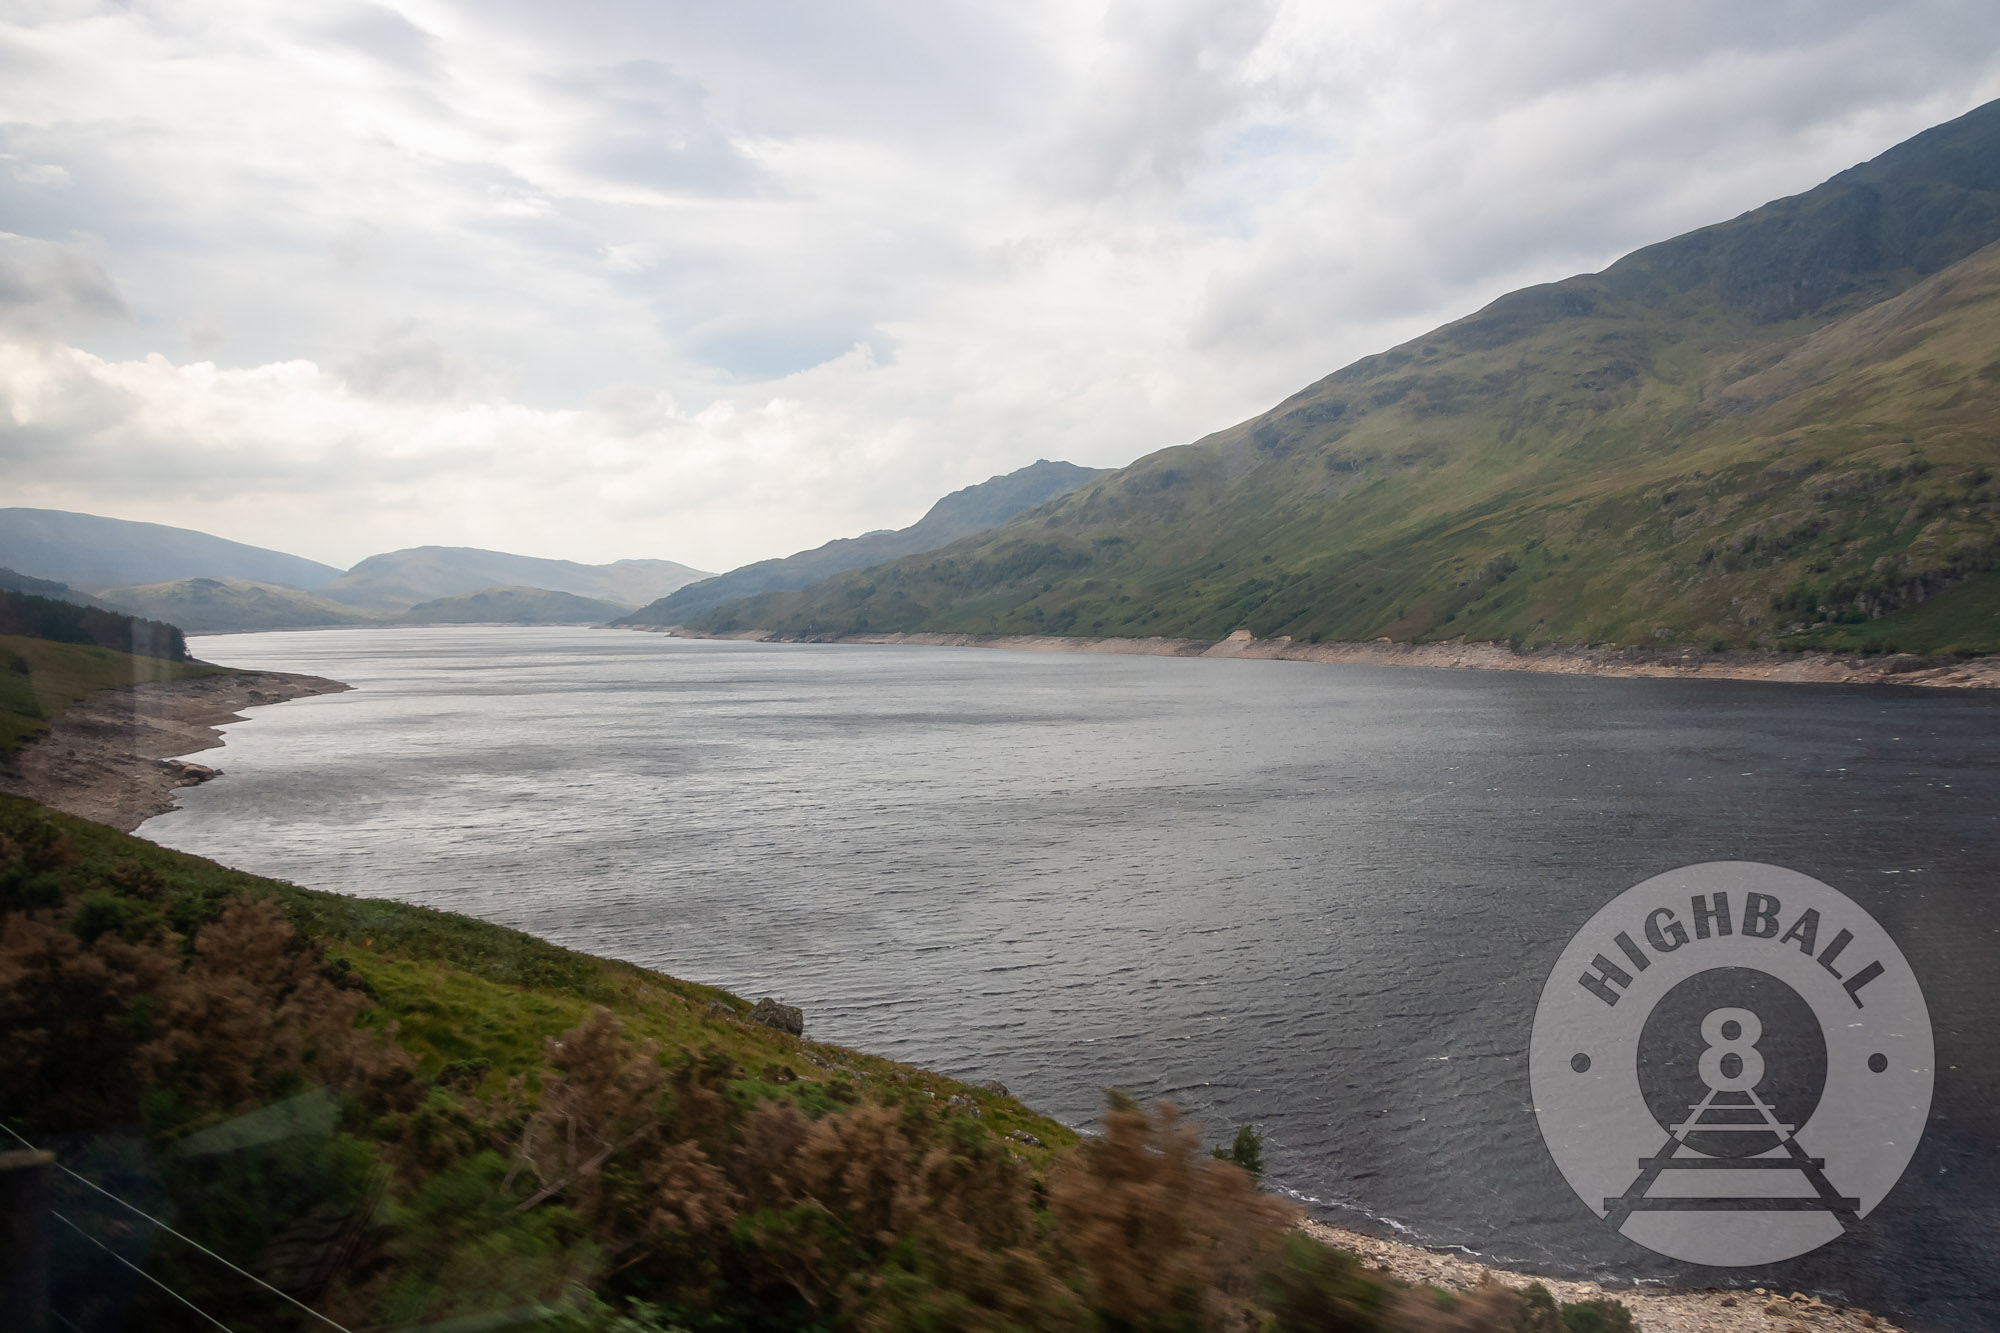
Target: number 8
(1724,1045)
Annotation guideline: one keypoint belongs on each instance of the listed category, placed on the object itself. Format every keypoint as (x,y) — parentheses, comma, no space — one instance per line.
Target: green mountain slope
(961,514)
(216,606)
(515,606)
(1773,431)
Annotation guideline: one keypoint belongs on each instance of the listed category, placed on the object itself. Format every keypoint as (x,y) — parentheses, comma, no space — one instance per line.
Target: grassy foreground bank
(405,1118)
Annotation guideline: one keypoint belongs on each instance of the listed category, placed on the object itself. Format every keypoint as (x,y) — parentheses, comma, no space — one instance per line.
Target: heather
(399,1117)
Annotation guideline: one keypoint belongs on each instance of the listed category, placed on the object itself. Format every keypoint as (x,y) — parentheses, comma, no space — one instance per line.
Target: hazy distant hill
(85,551)
(636,582)
(960,514)
(12,580)
(207,584)
(1779,430)
(398,580)
(215,606)
(515,606)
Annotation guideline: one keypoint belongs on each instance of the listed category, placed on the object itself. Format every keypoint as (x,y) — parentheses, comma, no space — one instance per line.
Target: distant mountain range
(217,606)
(206,584)
(85,551)
(236,587)
(960,514)
(515,606)
(399,580)
(1778,431)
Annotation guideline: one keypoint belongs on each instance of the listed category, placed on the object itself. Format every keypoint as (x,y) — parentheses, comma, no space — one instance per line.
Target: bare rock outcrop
(784,1017)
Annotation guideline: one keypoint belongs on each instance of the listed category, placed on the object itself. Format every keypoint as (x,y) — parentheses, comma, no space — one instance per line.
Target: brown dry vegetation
(157,1022)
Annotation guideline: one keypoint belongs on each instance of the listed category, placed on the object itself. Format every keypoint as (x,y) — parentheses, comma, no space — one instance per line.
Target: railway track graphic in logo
(1731,1063)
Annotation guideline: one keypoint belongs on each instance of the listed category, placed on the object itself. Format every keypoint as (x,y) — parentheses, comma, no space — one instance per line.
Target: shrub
(1166,1235)
(1313,1288)
(1246,1150)
(1598,1316)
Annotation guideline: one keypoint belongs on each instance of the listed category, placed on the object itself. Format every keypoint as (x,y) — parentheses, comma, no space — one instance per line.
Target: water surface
(1320,898)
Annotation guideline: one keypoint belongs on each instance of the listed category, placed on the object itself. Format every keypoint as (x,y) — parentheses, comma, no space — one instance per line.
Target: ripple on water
(1318,899)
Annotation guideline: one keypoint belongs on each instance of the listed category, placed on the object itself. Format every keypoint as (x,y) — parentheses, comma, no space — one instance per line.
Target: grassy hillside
(220,606)
(515,606)
(39,679)
(958,515)
(1777,431)
(403,1117)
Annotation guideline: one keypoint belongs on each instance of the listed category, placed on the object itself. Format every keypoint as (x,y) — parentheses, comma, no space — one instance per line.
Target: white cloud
(717,282)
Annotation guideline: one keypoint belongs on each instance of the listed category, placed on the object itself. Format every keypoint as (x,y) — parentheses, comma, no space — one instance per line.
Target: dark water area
(1321,899)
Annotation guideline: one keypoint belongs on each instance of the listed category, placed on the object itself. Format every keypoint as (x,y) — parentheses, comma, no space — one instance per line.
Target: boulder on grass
(784,1017)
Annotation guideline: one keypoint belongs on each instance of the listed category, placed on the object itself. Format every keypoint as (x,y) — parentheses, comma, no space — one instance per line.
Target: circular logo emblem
(1731,1063)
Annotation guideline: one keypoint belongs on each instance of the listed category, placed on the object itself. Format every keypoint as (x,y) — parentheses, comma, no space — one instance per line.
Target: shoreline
(1980,673)
(1654,1309)
(111,757)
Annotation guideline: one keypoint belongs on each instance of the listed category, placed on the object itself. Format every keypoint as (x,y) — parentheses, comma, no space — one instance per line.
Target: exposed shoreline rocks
(1654,1309)
(1677,664)
(112,757)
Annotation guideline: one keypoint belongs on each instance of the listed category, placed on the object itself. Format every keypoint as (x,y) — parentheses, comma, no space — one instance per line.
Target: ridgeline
(962,514)
(1778,432)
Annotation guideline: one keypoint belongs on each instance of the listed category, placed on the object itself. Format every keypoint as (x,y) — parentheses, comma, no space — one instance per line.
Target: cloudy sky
(717,281)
